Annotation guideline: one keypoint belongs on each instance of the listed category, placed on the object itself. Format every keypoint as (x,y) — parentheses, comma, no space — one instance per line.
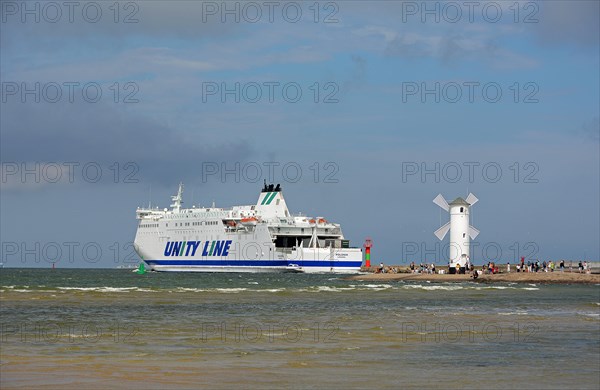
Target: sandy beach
(516,277)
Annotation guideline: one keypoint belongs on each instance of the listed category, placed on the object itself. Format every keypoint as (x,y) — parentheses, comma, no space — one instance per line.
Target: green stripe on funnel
(272,197)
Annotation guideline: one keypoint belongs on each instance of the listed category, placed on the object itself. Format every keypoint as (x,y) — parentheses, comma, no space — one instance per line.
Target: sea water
(73,328)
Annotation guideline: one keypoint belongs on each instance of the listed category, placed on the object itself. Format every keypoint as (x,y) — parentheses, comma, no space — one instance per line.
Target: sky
(364,111)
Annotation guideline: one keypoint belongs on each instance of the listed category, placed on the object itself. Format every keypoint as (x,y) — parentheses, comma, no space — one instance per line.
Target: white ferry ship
(263,237)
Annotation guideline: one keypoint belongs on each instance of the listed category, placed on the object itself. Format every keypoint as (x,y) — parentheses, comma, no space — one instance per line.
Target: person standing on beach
(507,268)
(580,266)
(562,266)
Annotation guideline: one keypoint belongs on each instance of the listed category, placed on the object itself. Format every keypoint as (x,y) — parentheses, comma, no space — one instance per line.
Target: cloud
(87,132)
(591,129)
(358,74)
(132,19)
(454,48)
(569,22)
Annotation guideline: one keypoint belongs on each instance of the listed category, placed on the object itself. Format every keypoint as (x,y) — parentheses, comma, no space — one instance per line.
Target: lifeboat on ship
(249,221)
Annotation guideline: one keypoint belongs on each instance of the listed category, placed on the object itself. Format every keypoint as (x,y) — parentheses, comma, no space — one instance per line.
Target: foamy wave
(188,289)
(377,286)
(230,290)
(200,290)
(592,315)
(327,289)
(105,289)
(494,288)
(514,313)
(434,287)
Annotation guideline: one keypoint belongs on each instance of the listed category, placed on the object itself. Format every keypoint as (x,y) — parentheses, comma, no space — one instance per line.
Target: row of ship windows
(208,214)
(205,223)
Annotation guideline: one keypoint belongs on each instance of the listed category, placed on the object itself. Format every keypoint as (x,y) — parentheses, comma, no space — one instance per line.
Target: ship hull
(273,266)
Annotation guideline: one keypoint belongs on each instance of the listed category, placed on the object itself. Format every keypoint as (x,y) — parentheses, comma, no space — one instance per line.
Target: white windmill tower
(460,230)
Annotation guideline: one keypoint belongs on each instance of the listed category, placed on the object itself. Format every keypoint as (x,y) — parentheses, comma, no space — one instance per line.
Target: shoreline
(513,277)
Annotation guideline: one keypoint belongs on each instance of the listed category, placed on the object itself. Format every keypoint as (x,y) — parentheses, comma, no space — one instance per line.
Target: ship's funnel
(271,203)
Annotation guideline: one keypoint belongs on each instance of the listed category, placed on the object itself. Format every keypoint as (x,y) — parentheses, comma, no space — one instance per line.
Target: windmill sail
(442,231)
(471,199)
(440,201)
(473,233)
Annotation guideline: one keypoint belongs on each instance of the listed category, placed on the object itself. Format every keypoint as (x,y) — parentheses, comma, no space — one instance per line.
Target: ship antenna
(177,199)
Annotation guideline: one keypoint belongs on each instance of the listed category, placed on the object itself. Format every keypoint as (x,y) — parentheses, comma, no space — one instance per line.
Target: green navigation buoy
(142,269)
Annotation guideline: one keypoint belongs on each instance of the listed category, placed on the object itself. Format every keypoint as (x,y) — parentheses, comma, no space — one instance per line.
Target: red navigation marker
(368,244)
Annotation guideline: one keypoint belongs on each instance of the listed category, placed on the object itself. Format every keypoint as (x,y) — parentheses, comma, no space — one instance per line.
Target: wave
(377,286)
(106,289)
(592,315)
(296,289)
(433,287)
(325,289)
(514,313)
(230,290)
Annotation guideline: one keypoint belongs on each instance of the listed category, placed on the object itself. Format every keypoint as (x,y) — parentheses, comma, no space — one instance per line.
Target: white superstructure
(263,237)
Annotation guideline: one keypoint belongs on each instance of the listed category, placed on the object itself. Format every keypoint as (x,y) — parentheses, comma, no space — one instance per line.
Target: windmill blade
(473,233)
(440,201)
(441,232)
(471,199)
